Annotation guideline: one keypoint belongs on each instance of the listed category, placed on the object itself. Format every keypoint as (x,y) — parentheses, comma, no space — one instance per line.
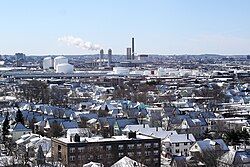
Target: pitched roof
(209,144)
(69,124)
(122,122)
(233,157)
(93,164)
(127,162)
(20,127)
(181,138)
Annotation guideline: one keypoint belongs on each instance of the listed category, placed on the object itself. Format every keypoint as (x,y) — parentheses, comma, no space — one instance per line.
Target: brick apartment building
(76,151)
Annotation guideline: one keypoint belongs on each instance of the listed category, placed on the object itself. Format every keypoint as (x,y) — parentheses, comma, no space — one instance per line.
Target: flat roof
(101,139)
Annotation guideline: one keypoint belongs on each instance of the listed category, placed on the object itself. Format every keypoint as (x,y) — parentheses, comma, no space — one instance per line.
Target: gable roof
(69,124)
(209,144)
(20,127)
(127,162)
(233,157)
(180,138)
(122,122)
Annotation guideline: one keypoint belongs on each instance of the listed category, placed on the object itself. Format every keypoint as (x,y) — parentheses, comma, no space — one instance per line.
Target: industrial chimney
(101,57)
(128,53)
(133,49)
(109,57)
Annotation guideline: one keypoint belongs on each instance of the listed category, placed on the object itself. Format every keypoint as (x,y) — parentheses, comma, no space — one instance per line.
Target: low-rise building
(177,144)
(76,150)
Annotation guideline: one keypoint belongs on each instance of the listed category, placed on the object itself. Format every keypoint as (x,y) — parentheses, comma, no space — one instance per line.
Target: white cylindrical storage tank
(121,70)
(47,63)
(161,72)
(60,60)
(64,68)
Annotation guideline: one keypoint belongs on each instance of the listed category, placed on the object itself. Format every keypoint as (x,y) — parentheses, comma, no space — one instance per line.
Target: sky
(63,27)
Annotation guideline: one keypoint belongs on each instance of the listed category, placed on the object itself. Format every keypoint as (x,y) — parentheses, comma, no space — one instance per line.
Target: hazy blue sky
(159,26)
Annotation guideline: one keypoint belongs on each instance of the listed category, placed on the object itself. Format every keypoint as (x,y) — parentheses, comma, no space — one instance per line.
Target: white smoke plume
(78,42)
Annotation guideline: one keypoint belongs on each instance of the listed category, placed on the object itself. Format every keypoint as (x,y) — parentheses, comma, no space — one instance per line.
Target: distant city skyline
(167,27)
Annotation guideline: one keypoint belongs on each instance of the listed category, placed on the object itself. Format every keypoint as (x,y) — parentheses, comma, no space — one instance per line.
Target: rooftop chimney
(132,135)
(77,138)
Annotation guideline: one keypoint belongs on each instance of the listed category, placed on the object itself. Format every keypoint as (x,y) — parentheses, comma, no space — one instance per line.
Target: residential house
(178,144)
(217,146)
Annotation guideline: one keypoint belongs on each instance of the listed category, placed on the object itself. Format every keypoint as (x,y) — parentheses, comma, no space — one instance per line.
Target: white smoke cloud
(78,42)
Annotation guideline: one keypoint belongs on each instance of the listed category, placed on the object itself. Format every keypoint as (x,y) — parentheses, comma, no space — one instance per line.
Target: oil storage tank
(47,63)
(60,60)
(65,68)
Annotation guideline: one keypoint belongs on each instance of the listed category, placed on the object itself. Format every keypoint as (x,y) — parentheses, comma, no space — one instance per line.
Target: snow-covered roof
(127,162)
(93,164)
(209,144)
(180,138)
(20,127)
(233,157)
(26,138)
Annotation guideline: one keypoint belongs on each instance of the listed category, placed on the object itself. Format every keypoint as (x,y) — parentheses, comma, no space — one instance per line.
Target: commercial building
(76,150)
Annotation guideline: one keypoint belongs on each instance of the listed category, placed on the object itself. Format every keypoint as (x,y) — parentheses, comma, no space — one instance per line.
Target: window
(120,154)
(59,152)
(156,145)
(138,145)
(71,158)
(90,148)
(81,149)
(156,159)
(109,155)
(185,143)
(99,156)
(139,153)
(185,150)
(108,148)
(79,157)
(156,152)
(100,148)
(177,144)
(148,145)
(147,153)
(130,146)
(177,151)
(90,157)
(130,154)
(120,147)
(147,161)
(72,150)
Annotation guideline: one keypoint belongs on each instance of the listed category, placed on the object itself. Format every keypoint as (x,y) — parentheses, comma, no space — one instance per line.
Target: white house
(178,144)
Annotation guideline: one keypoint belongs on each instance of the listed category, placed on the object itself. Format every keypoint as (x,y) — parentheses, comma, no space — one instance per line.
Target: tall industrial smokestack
(133,49)
(101,57)
(109,57)
(128,53)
